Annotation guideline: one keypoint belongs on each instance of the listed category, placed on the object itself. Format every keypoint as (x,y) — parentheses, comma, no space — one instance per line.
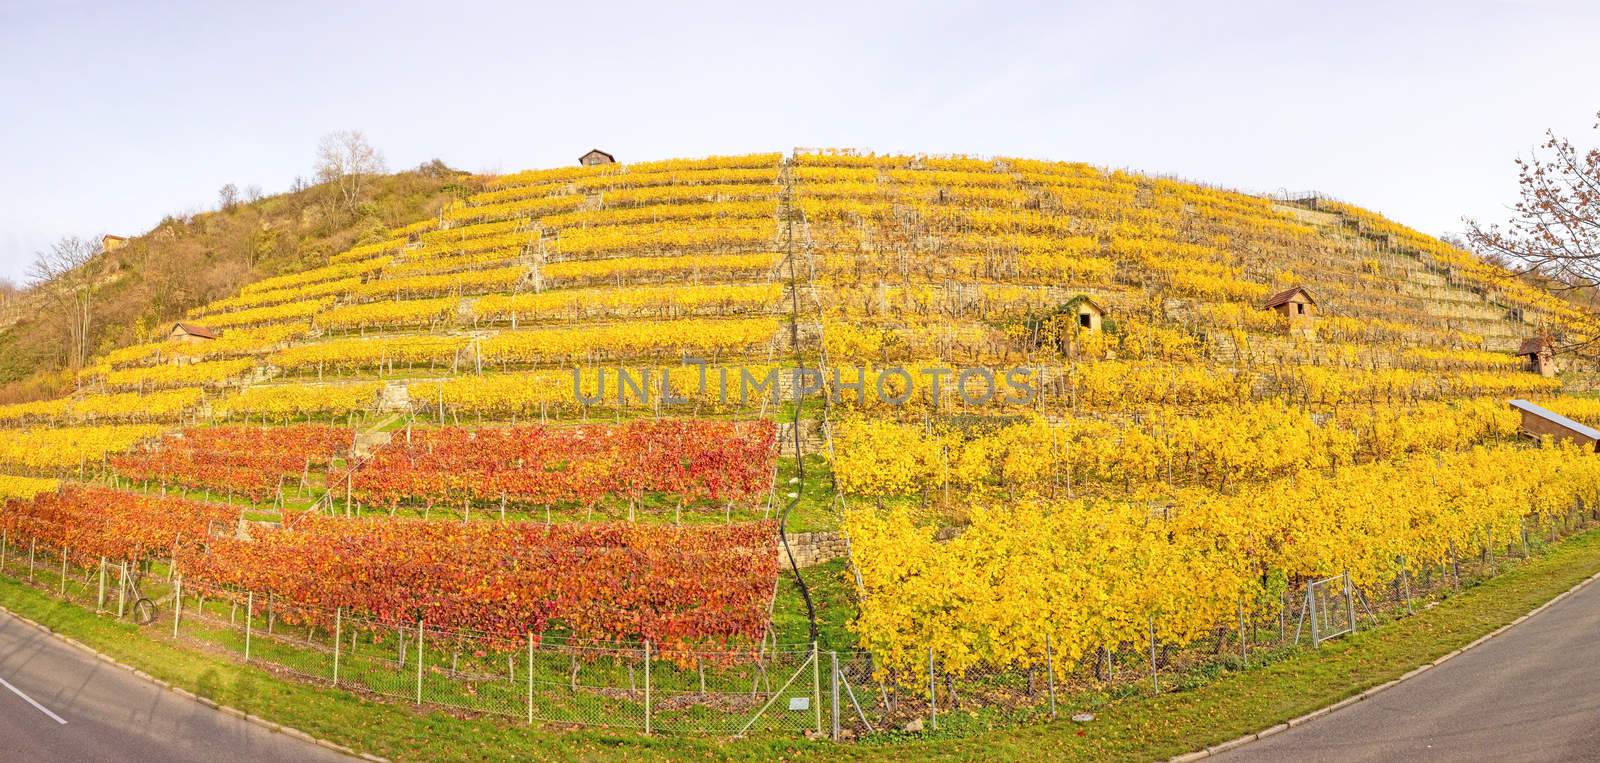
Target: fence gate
(1329,609)
(811,701)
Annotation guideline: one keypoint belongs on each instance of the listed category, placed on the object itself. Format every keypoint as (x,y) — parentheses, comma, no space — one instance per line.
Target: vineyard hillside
(879,259)
(1041,409)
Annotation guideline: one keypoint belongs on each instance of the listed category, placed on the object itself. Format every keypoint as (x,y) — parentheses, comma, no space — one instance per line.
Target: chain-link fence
(542,678)
(768,689)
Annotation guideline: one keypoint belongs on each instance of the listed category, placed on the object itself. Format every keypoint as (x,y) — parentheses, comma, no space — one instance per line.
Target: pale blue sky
(113,116)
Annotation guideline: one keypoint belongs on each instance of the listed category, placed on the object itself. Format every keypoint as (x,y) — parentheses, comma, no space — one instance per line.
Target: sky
(113,116)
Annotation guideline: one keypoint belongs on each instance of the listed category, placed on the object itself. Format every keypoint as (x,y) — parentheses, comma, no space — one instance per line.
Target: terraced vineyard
(592,369)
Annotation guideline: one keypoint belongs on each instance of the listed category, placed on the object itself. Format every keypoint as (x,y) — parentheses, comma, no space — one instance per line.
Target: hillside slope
(189,259)
(894,260)
(721,270)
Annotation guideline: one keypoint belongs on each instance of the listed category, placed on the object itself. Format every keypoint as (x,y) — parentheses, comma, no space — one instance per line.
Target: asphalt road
(1530,694)
(59,703)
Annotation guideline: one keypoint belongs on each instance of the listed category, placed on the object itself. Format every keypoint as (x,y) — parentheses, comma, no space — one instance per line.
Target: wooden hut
(1090,315)
(190,333)
(596,156)
(110,243)
(1297,305)
(1539,423)
(1539,354)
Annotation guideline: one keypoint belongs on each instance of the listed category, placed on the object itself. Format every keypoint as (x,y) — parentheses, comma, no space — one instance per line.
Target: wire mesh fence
(767,689)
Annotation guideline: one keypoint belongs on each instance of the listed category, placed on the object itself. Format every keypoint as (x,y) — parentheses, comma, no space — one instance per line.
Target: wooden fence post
(249,615)
(338,638)
(647,687)
(177,601)
(530,678)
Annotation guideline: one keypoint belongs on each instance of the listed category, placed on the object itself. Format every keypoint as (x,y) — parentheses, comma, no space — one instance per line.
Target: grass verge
(1218,707)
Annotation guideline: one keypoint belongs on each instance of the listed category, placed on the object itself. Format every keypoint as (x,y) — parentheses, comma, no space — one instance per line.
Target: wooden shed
(1297,305)
(110,243)
(1538,423)
(596,156)
(1539,354)
(190,333)
(1090,315)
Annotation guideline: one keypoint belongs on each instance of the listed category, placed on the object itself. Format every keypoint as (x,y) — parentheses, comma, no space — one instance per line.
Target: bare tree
(1555,228)
(252,193)
(228,197)
(66,275)
(9,294)
(346,158)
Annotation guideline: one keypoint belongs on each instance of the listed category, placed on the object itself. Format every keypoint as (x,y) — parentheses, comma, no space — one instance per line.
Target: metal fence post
(100,596)
(833,680)
(1155,681)
(816,685)
(419,661)
(1405,579)
(647,687)
(63,572)
(338,638)
(122,589)
(1050,673)
(5,542)
(933,696)
(33,548)
(1349,602)
(177,597)
(530,678)
(1311,613)
(249,616)
(1244,642)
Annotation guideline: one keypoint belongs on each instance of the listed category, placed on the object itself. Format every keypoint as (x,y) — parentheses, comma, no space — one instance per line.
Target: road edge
(207,701)
(1236,743)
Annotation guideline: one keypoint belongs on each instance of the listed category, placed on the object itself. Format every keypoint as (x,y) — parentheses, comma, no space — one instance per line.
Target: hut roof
(195,329)
(1282,298)
(1090,302)
(594,151)
(1534,345)
(1556,418)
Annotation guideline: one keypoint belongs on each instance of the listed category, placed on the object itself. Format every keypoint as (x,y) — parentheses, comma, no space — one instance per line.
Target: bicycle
(143,611)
